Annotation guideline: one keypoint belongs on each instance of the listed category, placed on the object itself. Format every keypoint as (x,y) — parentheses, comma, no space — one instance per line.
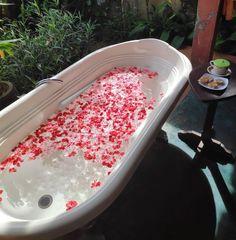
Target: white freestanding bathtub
(68,148)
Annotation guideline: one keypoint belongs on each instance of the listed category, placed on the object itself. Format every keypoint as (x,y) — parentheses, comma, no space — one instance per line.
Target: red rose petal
(71,204)
(95,184)
(99,122)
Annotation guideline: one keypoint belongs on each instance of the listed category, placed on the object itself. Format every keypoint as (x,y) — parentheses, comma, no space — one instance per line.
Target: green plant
(6,47)
(32,10)
(115,23)
(165,23)
(89,9)
(226,37)
(58,40)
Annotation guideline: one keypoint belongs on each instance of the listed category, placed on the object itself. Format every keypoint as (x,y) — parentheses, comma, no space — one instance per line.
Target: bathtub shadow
(168,198)
(189,115)
(227,222)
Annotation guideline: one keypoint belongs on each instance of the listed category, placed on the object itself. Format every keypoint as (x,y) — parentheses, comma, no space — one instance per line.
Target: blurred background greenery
(40,38)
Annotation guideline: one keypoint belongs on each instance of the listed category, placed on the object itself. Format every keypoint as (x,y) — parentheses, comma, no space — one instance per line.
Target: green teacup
(219,66)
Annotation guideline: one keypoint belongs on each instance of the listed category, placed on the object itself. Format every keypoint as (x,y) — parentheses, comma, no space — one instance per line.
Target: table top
(212,95)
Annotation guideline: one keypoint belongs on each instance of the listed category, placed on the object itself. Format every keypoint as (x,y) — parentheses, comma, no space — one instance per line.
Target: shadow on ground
(189,115)
(168,198)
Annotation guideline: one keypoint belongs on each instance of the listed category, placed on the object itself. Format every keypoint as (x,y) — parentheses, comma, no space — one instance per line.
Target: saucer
(221,87)
(209,69)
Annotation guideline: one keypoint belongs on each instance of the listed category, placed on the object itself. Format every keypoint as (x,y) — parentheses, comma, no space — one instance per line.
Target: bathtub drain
(45,201)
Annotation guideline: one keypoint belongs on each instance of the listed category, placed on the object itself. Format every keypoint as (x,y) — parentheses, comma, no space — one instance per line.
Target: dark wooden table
(211,95)
(208,151)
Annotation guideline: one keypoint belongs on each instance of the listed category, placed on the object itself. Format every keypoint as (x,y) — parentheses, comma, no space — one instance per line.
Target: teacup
(219,66)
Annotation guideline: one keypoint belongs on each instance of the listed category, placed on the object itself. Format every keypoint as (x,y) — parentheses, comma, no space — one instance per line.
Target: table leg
(209,120)
(204,143)
(192,138)
(209,152)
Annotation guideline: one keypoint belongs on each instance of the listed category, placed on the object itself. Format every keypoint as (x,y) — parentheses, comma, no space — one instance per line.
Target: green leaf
(177,41)
(7,45)
(171,17)
(190,36)
(160,8)
(9,41)
(140,28)
(165,36)
(6,4)
(220,41)
(232,37)
(89,3)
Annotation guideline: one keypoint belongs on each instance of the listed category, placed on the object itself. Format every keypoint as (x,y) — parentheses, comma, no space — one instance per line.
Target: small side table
(209,151)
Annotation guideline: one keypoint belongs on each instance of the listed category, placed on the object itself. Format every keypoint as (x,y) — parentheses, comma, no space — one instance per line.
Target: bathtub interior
(55,175)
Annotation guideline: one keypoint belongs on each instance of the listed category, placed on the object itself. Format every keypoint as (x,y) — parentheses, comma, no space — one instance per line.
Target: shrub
(168,25)
(58,39)
(115,23)
(226,36)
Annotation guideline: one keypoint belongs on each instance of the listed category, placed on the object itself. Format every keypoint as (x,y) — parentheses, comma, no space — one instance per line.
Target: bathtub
(39,195)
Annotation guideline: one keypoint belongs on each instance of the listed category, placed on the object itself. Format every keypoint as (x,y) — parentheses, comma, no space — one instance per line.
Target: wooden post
(208,14)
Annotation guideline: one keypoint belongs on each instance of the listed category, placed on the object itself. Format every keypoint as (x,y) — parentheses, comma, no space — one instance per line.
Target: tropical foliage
(48,41)
(49,35)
